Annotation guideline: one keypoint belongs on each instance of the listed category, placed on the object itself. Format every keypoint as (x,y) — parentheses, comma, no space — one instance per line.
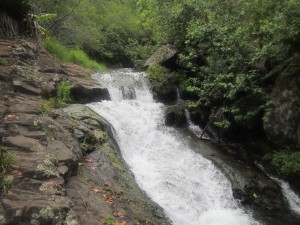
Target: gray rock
(282,119)
(86,94)
(162,55)
(26,87)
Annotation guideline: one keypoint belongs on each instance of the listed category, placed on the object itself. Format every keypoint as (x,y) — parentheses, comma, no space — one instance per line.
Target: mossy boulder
(163,84)
(175,116)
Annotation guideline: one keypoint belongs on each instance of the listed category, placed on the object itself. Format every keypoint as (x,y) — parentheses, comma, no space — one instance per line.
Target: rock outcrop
(50,181)
(282,119)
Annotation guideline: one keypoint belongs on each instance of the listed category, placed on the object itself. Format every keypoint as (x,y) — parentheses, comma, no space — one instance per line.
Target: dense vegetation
(228,52)
(103,29)
(230,47)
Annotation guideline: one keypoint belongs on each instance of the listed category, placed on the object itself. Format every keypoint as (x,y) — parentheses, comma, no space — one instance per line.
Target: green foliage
(161,78)
(65,54)
(45,17)
(229,47)
(102,28)
(6,162)
(108,220)
(62,98)
(138,52)
(286,162)
(63,93)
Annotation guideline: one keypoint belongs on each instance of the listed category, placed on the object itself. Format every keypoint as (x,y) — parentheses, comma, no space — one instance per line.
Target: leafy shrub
(6,163)
(77,56)
(161,77)
(286,162)
(63,97)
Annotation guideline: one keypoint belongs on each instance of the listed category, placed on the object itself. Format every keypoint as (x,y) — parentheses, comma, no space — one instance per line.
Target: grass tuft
(77,56)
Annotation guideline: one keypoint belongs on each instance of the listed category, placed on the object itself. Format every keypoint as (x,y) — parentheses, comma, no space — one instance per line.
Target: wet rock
(86,94)
(175,116)
(167,95)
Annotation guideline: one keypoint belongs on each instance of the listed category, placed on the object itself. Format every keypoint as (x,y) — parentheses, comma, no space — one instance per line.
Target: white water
(190,189)
(196,130)
(292,198)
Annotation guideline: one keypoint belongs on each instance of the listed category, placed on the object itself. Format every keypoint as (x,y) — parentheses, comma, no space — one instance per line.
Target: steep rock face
(282,119)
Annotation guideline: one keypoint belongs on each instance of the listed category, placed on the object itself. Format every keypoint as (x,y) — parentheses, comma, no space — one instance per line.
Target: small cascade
(128,93)
(195,129)
(292,198)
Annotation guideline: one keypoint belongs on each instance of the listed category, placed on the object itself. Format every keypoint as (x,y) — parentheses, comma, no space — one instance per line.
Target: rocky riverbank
(66,168)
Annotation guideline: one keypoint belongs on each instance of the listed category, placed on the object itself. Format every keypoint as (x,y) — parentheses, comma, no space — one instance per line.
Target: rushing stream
(190,189)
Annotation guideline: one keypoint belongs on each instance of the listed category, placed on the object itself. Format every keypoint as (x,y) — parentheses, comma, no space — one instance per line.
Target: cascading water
(292,198)
(190,189)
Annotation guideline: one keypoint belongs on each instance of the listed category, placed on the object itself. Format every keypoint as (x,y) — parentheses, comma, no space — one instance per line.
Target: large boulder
(86,94)
(165,56)
(282,119)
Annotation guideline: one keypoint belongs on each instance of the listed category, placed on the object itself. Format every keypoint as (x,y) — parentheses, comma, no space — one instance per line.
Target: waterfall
(195,129)
(189,187)
(292,198)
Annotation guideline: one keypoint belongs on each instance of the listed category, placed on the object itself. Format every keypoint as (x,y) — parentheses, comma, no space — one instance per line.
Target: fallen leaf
(109,198)
(95,190)
(10,193)
(16,173)
(93,168)
(120,223)
(137,223)
(106,184)
(118,214)
(11,117)
(88,160)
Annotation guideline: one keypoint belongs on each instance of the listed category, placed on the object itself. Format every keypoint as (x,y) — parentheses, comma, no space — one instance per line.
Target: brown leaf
(109,198)
(10,193)
(95,190)
(11,117)
(93,168)
(16,173)
(119,214)
(120,223)
(88,160)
